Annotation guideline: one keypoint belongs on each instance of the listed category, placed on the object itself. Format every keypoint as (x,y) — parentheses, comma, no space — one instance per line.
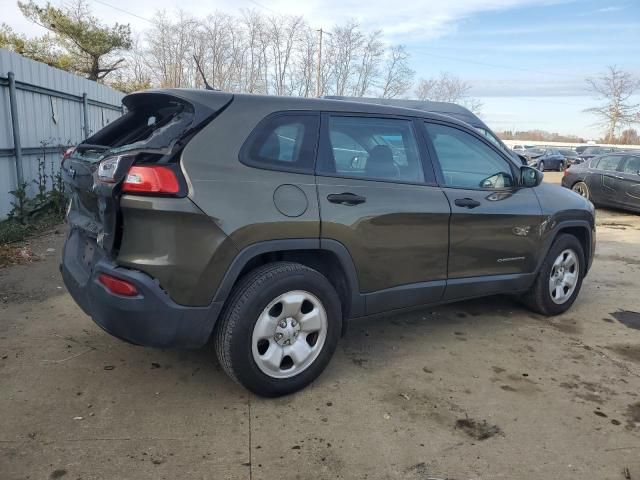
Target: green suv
(266,223)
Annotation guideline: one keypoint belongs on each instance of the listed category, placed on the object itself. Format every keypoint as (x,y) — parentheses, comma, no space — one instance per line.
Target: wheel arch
(329,257)
(581,229)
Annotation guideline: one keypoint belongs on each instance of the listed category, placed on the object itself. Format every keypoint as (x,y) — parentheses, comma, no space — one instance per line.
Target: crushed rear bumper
(150,318)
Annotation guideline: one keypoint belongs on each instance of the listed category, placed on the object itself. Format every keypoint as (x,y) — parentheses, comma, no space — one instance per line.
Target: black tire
(561,167)
(252,294)
(538,298)
(541,166)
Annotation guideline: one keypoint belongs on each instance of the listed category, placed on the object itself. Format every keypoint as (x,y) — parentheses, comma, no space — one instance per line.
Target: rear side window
(371,148)
(283,142)
(609,163)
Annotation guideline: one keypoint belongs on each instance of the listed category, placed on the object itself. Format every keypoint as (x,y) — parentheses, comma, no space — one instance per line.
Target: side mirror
(530,177)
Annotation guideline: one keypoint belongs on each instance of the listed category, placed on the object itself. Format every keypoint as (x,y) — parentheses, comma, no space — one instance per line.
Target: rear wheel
(581,189)
(561,167)
(541,166)
(559,279)
(279,328)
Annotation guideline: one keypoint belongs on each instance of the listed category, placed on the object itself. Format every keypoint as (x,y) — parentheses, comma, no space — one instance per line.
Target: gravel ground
(482,389)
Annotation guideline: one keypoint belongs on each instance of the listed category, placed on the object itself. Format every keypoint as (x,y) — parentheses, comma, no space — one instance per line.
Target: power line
(122,10)
(262,6)
(493,65)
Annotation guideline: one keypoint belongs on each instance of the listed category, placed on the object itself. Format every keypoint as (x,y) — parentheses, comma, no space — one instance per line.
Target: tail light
(566,172)
(118,286)
(151,179)
(67,153)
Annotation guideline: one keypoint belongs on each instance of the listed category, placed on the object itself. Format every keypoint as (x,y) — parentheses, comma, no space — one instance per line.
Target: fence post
(17,148)
(85,113)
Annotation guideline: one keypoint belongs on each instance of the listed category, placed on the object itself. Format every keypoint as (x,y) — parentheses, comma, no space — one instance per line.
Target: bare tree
(614,88)
(283,33)
(447,88)
(398,76)
(169,50)
(345,44)
(254,33)
(444,88)
(368,69)
(303,77)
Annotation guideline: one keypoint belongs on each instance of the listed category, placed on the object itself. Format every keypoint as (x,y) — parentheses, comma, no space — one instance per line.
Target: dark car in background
(591,152)
(611,180)
(571,157)
(550,159)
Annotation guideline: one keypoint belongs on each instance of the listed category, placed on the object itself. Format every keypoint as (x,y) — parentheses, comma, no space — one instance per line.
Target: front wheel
(541,166)
(561,167)
(559,279)
(279,328)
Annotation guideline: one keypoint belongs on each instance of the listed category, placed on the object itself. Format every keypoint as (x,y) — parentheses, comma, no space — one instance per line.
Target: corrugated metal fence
(52,110)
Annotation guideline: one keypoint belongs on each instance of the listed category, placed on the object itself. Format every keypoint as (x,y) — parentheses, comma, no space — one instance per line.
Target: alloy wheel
(564,276)
(289,334)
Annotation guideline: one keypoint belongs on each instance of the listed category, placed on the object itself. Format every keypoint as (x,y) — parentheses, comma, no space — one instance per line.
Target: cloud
(609,9)
(401,21)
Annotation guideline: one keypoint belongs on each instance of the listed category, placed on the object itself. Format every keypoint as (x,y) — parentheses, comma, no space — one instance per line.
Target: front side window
(467,162)
(283,142)
(609,163)
(632,165)
(371,148)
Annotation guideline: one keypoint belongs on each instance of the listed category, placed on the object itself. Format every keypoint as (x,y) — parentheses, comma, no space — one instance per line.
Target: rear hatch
(153,131)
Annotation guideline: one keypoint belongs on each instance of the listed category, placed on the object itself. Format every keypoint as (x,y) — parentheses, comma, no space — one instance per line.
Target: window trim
(324,145)
(438,168)
(245,158)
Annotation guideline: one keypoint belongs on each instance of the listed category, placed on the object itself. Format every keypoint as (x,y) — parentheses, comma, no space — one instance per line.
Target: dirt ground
(476,390)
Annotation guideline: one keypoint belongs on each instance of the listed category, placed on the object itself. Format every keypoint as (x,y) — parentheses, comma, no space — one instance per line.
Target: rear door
(628,183)
(494,222)
(378,199)
(607,178)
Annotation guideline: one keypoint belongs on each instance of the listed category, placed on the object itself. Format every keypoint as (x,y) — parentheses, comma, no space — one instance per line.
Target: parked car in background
(570,156)
(265,223)
(521,148)
(581,149)
(590,152)
(611,180)
(551,159)
(533,153)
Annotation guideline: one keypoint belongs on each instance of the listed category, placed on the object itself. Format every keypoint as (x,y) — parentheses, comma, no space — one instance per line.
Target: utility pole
(318,89)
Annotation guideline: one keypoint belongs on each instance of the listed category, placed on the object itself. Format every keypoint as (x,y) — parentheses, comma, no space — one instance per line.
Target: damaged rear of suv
(265,223)
(128,178)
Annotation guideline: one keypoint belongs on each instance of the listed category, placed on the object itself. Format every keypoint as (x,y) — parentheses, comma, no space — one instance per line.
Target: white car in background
(521,148)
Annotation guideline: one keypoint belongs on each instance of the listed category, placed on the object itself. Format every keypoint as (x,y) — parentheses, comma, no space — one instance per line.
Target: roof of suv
(212,98)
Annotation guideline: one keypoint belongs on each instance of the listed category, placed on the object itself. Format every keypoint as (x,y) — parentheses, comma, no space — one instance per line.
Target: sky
(527,60)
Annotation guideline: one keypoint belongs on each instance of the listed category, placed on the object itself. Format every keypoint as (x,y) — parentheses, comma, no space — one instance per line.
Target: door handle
(467,202)
(346,198)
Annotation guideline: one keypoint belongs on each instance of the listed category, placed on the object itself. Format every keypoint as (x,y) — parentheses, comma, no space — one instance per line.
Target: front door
(494,228)
(628,183)
(375,199)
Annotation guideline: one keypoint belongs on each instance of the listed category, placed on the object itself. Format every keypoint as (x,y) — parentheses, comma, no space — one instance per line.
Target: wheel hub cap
(289,334)
(564,276)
